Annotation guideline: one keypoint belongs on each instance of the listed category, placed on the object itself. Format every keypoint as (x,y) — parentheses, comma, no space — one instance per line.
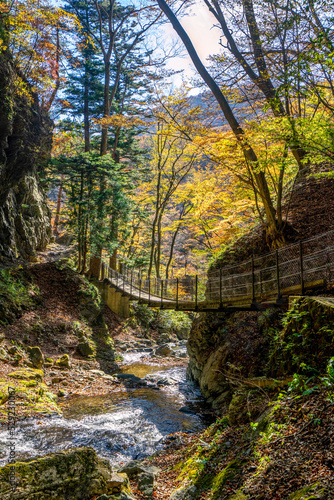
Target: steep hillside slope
(310,211)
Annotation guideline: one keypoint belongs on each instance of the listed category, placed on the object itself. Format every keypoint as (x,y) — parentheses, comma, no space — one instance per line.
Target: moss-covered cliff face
(25,142)
(228,350)
(226,347)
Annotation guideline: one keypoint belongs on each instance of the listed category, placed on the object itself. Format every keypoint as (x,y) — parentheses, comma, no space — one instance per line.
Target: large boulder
(185,493)
(223,347)
(136,467)
(146,484)
(164,338)
(63,362)
(73,474)
(163,350)
(85,348)
(182,333)
(36,357)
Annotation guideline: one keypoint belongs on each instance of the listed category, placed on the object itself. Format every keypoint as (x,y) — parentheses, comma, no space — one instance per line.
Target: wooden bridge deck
(245,302)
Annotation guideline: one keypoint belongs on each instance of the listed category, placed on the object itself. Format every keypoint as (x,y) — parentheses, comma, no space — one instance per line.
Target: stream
(120,426)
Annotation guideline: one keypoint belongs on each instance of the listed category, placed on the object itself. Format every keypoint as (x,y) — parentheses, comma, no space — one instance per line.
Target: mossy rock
(36,357)
(30,392)
(237,411)
(188,492)
(223,476)
(73,474)
(29,383)
(3,354)
(313,492)
(239,495)
(63,361)
(27,374)
(307,337)
(86,347)
(48,362)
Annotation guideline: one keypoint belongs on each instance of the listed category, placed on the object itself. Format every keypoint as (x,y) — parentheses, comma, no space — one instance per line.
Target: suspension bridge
(258,283)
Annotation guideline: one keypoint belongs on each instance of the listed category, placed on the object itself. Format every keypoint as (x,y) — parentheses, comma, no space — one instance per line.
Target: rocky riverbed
(86,380)
(121,417)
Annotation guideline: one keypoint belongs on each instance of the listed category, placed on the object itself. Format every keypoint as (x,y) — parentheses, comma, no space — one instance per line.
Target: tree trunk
(80,235)
(86,112)
(106,108)
(113,260)
(94,267)
(262,80)
(158,247)
(154,224)
(84,247)
(249,153)
(58,207)
(172,250)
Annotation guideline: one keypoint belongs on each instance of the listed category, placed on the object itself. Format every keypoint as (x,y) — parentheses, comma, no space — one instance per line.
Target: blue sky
(204,37)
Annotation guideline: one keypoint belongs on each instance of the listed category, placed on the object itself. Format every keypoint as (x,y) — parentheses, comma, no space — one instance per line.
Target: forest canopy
(159,176)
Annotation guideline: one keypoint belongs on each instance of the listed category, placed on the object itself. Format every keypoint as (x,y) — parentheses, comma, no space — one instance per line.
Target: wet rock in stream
(163,350)
(77,474)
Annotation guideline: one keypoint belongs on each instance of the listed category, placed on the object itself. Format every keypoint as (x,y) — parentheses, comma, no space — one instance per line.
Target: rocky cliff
(224,348)
(25,143)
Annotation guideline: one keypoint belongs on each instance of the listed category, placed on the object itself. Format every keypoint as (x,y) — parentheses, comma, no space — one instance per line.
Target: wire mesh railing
(139,287)
(286,271)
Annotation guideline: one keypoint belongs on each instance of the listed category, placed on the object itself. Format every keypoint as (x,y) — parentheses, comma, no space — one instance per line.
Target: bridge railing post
(131,282)
(301,263)
(196,292)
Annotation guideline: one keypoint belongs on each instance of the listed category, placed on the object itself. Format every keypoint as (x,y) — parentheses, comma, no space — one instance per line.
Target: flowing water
(120,426)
